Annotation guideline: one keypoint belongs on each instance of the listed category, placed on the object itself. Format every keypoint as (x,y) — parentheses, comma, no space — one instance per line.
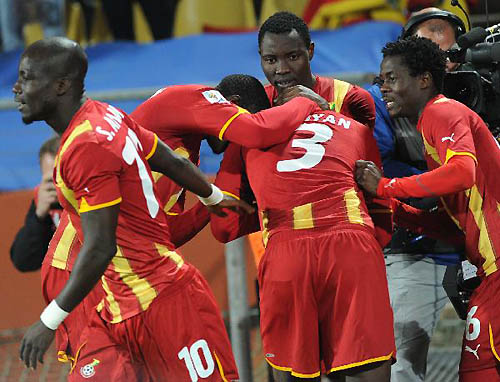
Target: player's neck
(64,114)
(421,107)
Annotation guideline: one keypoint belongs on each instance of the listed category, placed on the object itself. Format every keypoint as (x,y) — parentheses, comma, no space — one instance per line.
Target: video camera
(476,83)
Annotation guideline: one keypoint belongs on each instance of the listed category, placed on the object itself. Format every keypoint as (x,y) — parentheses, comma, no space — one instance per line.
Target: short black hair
(420,55)
(252,95)
(61,57)
(285,22)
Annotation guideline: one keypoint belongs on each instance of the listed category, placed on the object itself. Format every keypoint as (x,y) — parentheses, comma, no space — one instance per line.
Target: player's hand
(47,196)
(232,204)
(35,343)
(368,176)
(301,91)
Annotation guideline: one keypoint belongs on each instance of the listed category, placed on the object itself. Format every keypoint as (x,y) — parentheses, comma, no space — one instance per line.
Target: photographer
(32,240)
(415,264)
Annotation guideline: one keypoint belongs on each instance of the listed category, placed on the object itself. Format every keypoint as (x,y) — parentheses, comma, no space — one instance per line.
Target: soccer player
(158,320)
(464,162)
(286,50)
(415,264)
(324,294)
(183,115)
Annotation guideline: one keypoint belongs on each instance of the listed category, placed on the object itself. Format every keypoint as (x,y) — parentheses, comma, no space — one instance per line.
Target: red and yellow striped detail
(450,154)
(64,246)
(484,243)
(340,89)
(85,207)
(230,120)
(69,195)
(265,228)
(430,150)
(293,372)
(141,288)
(153,149)
(231,195)
(352,205)
(174,256)
(361,363)
(112,303)
(492,343)
(303,216)
(221,369)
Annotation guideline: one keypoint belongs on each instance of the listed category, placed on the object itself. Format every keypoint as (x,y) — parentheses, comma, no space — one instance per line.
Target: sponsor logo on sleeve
(214,96)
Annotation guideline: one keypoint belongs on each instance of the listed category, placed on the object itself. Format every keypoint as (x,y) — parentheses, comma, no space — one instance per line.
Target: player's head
(437,25)
(49,70)
(245,91)
(286,49)
(412,72)
(47,154)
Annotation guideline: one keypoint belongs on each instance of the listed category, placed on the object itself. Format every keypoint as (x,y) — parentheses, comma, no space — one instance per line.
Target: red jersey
(307,182)
(64,245)
(450,129)
(183,115)
(343,97)
(102,161)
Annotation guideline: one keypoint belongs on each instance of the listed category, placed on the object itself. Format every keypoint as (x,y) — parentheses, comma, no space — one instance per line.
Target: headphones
(454,20)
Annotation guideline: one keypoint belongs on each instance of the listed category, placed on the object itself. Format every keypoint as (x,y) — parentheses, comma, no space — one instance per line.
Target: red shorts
(69,332)
(481,343)
(324,297)
(180,337)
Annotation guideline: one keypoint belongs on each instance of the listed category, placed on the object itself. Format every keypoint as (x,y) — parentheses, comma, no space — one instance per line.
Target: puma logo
(467,348)
(450,138)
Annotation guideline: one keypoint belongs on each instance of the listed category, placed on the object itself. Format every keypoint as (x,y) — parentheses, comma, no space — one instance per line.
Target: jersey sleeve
(231,180)
(92,173)
(268,127)
(359,105)
(187,224)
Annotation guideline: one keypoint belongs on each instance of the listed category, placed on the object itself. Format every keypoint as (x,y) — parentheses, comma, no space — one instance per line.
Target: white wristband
(214,198)
(53,315)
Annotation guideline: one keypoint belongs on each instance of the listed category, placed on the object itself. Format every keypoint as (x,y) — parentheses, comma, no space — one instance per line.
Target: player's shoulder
(335,120)
(442,109)
(96,126)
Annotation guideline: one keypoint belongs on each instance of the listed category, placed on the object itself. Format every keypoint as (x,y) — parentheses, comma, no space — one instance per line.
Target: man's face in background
(442,33)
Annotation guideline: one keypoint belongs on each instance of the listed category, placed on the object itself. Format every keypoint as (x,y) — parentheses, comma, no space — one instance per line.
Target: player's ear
(234,98)
(62,86)
(426,80)
(311,51)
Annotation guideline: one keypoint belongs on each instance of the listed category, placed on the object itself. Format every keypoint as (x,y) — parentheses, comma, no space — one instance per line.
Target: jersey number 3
(313,146)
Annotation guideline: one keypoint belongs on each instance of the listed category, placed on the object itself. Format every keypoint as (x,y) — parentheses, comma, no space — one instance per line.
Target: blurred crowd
(89,21)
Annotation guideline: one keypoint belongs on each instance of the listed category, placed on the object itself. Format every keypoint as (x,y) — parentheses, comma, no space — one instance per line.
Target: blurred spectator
(32,240)
(159,14)
(19,20)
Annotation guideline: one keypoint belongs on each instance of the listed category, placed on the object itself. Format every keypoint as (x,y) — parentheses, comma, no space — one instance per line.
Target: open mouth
(285,83)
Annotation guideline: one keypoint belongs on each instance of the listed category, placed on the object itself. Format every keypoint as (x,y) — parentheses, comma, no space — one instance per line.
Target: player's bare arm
(187,175)
(99,247)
